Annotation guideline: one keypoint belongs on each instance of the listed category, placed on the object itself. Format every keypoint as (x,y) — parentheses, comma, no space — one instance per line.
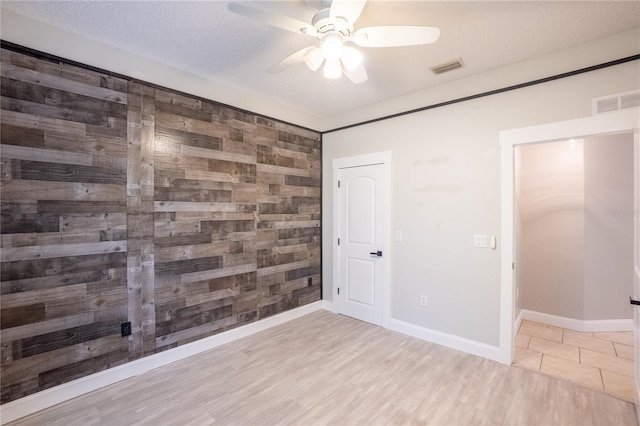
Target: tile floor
(600,360)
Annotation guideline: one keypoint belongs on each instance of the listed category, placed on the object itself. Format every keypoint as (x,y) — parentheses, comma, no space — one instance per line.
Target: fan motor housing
(325,25)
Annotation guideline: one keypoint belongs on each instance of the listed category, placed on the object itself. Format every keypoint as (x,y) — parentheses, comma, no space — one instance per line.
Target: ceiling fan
(333,27)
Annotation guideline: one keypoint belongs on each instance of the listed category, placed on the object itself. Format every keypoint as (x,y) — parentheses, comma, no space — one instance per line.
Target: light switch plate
(480,241)
(399,236)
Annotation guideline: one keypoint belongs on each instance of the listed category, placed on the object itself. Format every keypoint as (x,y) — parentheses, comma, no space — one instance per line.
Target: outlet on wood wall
(122,202)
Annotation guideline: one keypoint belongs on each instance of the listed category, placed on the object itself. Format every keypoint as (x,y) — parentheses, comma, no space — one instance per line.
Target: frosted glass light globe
(332,69)
(332,47)
(351,58)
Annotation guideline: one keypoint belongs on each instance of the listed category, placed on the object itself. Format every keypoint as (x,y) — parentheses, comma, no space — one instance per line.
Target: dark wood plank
(181,110)
(77,370)
(64,71)
(21,136)
(64,206)
(303,181)
(199,195)
(186,321)
(240,282)
(68,337)
(70,102)
(267,156)
(36,170)
(35,268)
(47,282)
(284,234)
(226,226)
(182,240)
(187,266)
(171,139)
(302,272)
(266,258)
(14,317)
(280,208)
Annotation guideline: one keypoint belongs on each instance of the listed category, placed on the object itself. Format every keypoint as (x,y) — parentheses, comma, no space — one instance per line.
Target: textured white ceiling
(204,38)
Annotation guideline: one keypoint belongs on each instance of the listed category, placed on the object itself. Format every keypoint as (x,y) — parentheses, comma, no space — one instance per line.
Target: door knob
(376,253)
(634,301)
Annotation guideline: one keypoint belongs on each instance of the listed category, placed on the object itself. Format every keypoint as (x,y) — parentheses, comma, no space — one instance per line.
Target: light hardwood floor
(330,369)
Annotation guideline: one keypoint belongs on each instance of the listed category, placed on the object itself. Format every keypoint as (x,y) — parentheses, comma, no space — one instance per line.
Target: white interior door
(363,203)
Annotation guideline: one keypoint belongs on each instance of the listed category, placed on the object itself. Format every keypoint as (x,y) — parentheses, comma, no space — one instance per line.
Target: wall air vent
(449,66)
(617,102)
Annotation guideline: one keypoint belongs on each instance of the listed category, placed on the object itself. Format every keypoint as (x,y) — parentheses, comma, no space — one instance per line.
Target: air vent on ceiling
(449,66)
(615,102)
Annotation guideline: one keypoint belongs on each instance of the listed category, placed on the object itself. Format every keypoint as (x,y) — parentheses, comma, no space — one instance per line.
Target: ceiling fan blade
(357,75)
(275,20)
(350,10)
(390,36)
(296,58)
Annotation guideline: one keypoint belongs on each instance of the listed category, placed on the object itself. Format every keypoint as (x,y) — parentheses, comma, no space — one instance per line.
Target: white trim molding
(328,305)
(613,122)
(47,398)
(445,339)
(585,326)
(516,325)
(362,160)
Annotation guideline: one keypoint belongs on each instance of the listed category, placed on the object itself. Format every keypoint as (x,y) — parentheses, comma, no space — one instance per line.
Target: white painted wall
(551,239)
(446,187)
(608,237)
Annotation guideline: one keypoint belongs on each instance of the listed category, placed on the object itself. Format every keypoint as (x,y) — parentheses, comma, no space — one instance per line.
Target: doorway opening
(574,260)
(609,123)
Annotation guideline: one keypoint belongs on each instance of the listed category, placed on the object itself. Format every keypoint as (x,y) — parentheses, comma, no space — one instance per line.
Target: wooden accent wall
(123,202)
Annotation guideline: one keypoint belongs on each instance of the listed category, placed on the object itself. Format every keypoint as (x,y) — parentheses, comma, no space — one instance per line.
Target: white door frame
(636,262)
(383,158)
(612,122)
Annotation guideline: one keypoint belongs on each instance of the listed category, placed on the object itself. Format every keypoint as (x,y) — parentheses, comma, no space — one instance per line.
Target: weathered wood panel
(288,172)
(63,227)
(125,203)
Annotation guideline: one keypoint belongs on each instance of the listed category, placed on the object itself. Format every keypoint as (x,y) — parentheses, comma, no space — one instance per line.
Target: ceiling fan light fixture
(332,47)
(332,69)
(314,58)
(332,26)
(351,58)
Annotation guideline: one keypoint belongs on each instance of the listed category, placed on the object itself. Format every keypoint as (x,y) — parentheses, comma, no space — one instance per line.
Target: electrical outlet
(309,281)
(423,300)
(517,293)
(125,329)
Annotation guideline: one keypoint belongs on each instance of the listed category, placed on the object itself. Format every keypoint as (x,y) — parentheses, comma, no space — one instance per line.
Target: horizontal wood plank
(61,250)
(40,78)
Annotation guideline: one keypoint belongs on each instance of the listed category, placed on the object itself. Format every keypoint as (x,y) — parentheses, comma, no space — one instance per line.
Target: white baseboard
(516,325)
(578,325)
(39,401)
(329,306)
(449,340)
